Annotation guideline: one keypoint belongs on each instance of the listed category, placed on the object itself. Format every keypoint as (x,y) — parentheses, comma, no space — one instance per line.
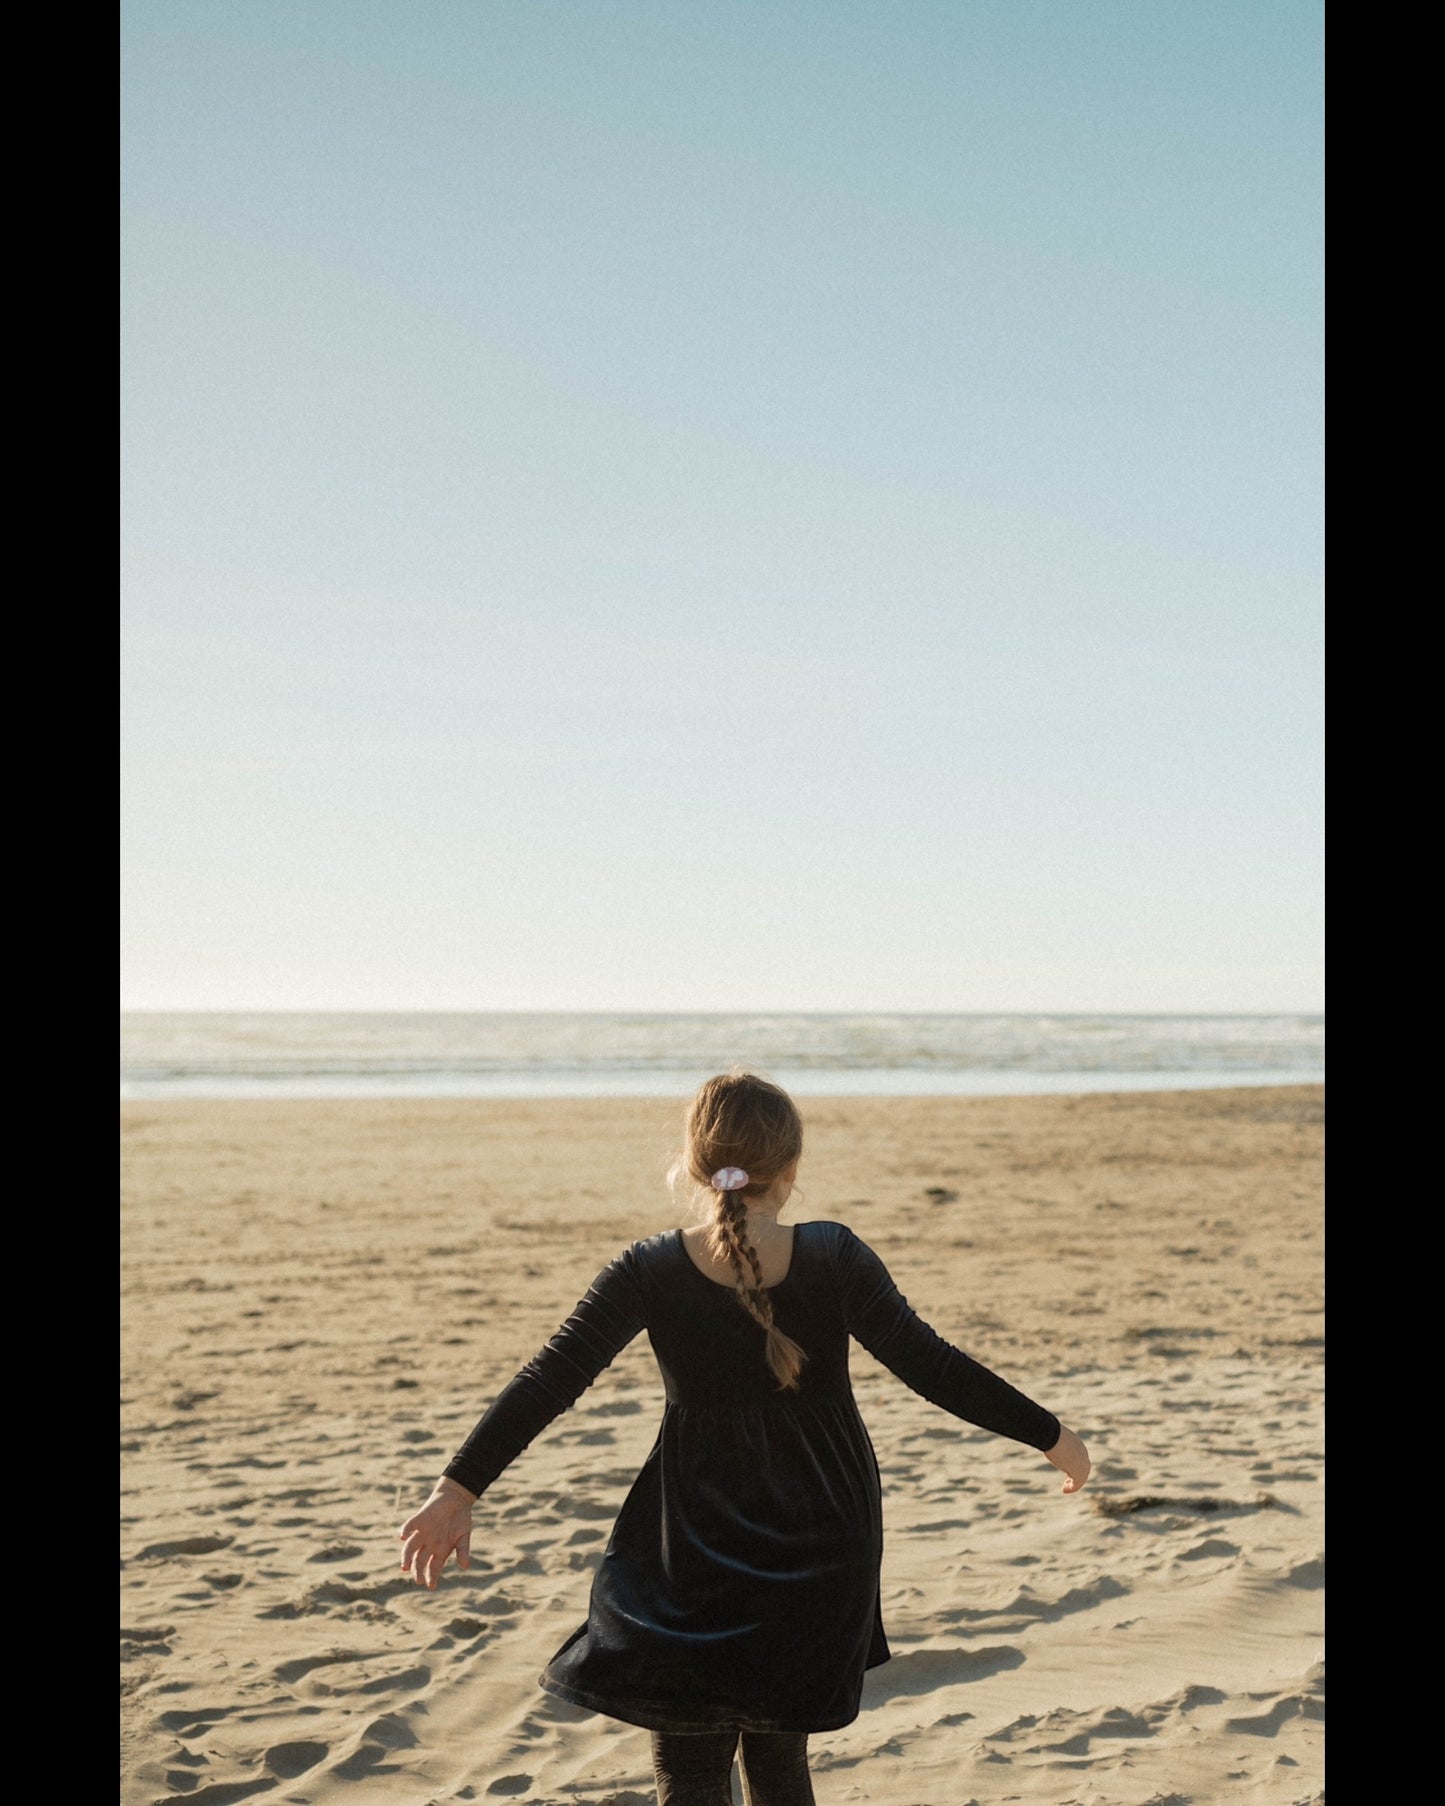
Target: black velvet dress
(740,1584)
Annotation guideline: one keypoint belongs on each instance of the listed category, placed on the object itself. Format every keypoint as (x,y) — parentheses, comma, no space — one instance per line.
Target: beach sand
(320,1298)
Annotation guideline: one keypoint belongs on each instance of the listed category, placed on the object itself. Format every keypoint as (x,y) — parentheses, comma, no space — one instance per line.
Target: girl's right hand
(1071,1458)
(430,1535)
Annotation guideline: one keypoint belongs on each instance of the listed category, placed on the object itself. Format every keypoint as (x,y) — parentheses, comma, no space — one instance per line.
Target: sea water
(436,1054)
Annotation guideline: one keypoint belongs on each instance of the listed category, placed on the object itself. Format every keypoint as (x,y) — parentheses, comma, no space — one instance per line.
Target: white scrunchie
(729,1178)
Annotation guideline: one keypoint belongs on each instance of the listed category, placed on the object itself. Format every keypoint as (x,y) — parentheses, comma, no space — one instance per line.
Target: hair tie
(729,1178)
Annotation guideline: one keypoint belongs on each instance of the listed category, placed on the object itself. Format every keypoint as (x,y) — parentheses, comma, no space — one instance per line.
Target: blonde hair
(739,1119)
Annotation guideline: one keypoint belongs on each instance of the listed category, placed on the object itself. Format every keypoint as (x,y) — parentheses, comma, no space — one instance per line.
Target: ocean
(435,1054)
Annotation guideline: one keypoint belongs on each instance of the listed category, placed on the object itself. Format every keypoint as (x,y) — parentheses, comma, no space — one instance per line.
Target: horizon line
(635,1010)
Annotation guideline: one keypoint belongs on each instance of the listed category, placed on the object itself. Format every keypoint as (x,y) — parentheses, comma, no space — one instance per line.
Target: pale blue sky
(722,505)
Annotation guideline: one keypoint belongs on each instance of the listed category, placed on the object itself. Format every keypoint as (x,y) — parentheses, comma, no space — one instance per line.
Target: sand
(319,1298)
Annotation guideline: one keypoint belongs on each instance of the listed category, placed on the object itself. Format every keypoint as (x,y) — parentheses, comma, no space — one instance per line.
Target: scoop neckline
(726,1285)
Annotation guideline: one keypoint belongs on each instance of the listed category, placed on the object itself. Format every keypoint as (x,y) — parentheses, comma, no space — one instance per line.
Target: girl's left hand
(429,1536)
(1071,1458)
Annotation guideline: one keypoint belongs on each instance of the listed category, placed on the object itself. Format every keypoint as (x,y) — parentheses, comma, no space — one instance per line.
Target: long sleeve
(597,1331)
(880,1317)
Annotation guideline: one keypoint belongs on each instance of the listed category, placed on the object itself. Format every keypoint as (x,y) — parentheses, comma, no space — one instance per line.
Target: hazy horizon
(601,1054)
(403,1010)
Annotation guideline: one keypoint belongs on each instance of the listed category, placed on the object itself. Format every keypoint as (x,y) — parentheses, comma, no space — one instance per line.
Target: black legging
(695,1768)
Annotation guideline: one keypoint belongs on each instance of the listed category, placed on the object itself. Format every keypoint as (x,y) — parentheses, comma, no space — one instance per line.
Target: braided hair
(740,1120)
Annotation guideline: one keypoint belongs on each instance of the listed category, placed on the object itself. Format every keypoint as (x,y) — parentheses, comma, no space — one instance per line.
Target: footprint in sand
(181,1778)
(1268,1724)
(342,1598)
(340,1678)
(185,1545)
(192,1722)
(294,1671)
(380,1738)
(287,1760)
(148,1640)
(923,1670)
(1187,1699)
(1211,1548)
(223,1793)
(1115,1722)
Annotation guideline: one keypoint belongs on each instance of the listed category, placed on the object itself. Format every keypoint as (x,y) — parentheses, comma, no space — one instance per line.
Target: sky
(736,504)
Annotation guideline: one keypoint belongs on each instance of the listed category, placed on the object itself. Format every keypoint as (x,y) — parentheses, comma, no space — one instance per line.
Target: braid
(732,1234)
(729,1235)
(745,1130)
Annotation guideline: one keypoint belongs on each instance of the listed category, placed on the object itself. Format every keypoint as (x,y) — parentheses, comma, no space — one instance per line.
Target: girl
(737,1602)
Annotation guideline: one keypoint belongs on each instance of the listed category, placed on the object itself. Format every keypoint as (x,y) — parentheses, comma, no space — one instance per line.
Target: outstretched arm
(601,1326)
(886,1324)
